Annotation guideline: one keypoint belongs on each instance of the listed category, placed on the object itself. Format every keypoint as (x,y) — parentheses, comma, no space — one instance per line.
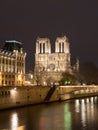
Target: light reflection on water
(67,117)
(14,122)
(83,113)
(80,114)
(77,105)
(86,108)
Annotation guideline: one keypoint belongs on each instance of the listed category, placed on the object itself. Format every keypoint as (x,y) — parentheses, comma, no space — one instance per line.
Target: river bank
(11,97)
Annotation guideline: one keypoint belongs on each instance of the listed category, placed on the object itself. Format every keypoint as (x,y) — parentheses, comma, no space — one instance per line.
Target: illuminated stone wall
(12,64)
(20,96)
(49,66)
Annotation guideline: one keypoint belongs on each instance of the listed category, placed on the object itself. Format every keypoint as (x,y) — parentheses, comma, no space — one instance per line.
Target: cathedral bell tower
(63,50)
(62,45)
(43,49)
(43,46)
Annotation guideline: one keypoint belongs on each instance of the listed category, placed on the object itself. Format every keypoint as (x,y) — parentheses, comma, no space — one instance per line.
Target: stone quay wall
(11,97)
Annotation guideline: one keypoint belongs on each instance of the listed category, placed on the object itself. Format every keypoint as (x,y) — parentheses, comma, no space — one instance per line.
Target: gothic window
(6,61)
(22,64)
(63,47)
(43,47)
(40,47)
(52,66)
(59,47)
(13,62)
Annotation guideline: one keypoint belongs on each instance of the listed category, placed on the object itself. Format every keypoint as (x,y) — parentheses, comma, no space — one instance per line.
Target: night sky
(25,20)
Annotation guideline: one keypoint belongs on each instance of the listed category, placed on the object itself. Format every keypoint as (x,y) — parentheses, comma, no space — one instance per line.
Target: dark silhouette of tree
(88,73)
(68,79)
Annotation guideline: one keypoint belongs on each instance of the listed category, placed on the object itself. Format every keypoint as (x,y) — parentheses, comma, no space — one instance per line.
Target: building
(29,79)
(49,66)
(12,64)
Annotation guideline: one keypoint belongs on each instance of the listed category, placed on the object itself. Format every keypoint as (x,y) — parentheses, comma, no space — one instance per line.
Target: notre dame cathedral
(49,66)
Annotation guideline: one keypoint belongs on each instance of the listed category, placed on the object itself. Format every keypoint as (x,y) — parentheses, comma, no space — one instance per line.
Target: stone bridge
(77,91)
(77,88)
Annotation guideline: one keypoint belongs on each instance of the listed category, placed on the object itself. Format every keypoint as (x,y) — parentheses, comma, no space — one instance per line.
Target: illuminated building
(12,64)
(29,79)
(49,66)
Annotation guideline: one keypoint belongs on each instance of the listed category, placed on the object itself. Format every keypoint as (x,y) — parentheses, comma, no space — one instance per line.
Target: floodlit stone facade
(12,64)
(49,66)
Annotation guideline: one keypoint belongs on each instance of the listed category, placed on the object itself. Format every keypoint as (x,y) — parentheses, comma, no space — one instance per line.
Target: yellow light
(19,77)
(13,92)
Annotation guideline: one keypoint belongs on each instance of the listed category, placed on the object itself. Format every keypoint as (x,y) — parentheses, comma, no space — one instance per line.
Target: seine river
(78,114)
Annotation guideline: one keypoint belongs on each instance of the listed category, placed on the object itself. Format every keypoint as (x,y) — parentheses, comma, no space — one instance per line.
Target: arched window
(59,47)
(40,47)
(43,47)
(63,47)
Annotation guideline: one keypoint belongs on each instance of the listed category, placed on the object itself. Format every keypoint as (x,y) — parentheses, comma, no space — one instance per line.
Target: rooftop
(11,45)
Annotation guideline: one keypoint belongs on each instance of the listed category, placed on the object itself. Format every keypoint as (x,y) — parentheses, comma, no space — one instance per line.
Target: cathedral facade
(49,66)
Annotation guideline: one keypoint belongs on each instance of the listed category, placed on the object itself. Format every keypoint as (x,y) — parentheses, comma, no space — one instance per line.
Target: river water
(78,114)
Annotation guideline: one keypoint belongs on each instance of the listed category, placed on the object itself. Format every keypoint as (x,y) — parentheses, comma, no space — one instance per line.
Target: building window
(2,82)
(63,47)
(9,82)
(43,47)
(40,47)
(13,62)
(59,47)
(6,82)
(6,61)
(3,60)
(9,62)
(13,76)
(22,64)
(12,82)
